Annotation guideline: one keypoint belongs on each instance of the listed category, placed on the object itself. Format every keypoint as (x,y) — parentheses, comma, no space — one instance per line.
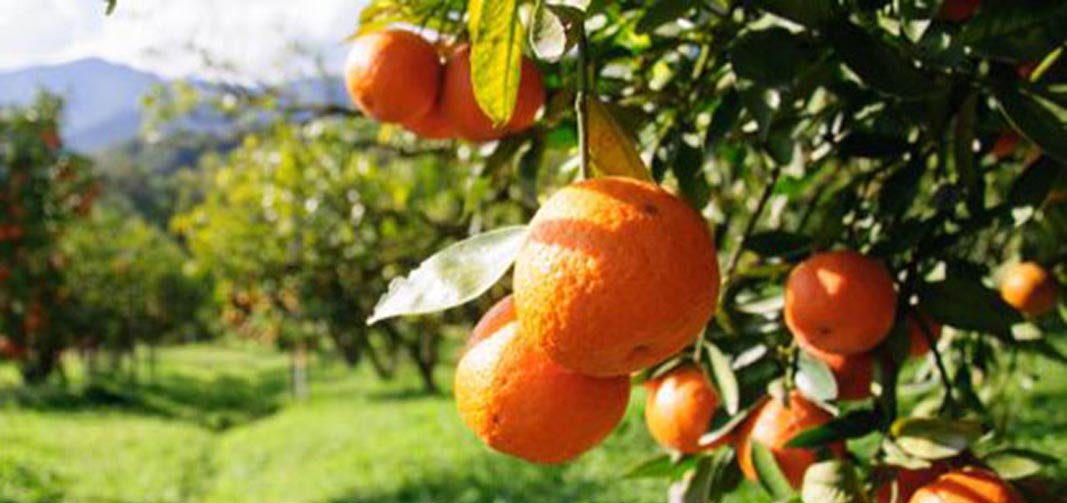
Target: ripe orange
(853,373)
(502,313)
(840,302)
(920,345)
(432,126)
(615,275)
(774,424)
(393,75)
(520,402)
(958,11)
(461,107)
(1029,288)
(969,485)
(1006,144)
(907,482)
(679,409)
(10,349)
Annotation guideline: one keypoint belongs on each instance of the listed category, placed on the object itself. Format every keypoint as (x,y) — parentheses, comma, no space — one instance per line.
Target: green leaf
(724,118)
(453,276)
(548,33)
(770,474)
(688,168)
(810,13)
(900,188)
(663,466)
(814,378)
(1034,185)
(779,244)
(1039,120)
(713,436)
(661,12)
(612,150)
(833,481)
(931,438)
(725,379)
(1015,463)
(496,56)
(967,304)
(879,64)
(725,475)
(1021,30)
(855,424)
(111,4)
(694,487)
(771,57)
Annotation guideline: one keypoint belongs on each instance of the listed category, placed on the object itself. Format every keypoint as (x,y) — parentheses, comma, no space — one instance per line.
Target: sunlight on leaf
(496,56)
(453,276)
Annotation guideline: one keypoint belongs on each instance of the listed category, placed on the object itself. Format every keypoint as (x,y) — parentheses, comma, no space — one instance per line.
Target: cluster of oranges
(615,275)
(396,76)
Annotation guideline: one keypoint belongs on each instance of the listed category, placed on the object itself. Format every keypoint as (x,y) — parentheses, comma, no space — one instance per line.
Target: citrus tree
(303,222)
(778,213)
(43,189)
(132,288)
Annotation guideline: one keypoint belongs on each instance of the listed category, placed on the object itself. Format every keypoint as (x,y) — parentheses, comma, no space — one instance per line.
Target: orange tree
(43,188)
(902,153)
(302,223)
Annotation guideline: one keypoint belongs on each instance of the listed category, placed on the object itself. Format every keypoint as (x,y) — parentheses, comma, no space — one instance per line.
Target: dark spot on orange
(650,209)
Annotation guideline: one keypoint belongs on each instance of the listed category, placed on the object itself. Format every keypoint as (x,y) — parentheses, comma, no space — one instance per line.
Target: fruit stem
(581,103)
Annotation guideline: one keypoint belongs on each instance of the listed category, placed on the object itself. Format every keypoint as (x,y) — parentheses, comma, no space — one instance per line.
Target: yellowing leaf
(611,149)
(496,56)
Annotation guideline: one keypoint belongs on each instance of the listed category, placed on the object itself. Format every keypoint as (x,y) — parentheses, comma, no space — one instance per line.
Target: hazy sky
(168,36)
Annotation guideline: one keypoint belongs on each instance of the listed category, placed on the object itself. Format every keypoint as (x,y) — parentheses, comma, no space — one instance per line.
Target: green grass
(216,425)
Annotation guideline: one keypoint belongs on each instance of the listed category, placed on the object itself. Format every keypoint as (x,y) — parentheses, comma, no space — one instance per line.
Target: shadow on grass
(552,488)
(219,403)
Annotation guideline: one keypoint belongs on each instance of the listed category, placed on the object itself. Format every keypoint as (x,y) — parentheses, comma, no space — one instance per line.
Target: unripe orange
(393,75)
(461,107)
(840,302)
(679,409)
(1029,288)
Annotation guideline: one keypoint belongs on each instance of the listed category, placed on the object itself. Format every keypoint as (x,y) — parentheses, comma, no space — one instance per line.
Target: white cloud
(170,37)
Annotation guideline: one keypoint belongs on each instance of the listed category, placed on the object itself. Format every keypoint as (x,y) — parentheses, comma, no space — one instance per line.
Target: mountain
(103,98)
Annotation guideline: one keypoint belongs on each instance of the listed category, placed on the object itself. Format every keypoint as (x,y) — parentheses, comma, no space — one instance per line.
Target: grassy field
(216,425)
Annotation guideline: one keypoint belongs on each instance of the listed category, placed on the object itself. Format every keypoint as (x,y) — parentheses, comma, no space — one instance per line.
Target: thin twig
(735,257)
(581,102)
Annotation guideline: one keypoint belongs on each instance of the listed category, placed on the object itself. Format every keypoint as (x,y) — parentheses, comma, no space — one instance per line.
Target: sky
(171,37)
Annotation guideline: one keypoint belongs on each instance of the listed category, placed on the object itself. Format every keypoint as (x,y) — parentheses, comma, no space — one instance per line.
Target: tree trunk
(348,346)
(423,351)
(298,370)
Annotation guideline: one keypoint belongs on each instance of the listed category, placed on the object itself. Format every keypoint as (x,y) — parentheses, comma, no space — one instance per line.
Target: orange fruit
(393,75)
(679,409)
(840,302)
(616,274)
(907,482)
(958,11)
(969,485)
(853,373)
(432,126)
(10,349)
(1029,288)
(773,425)
(502,313)
(1005,145)
(520,402)
(920,344)
(461,107)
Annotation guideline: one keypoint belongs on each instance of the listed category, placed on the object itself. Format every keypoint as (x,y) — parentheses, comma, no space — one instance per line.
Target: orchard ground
(215,424)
